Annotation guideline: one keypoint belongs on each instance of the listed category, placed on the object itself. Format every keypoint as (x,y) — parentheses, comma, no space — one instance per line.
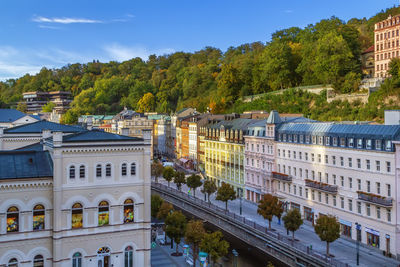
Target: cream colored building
(77,199)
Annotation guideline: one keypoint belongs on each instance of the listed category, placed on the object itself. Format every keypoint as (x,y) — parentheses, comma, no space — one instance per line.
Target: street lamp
(235,257)
(358,227)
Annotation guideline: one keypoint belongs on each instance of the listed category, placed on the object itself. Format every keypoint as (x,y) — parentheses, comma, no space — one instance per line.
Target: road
(343,249)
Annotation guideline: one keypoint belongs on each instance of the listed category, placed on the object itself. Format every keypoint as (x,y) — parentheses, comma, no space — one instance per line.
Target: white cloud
(120,53)
(64,20)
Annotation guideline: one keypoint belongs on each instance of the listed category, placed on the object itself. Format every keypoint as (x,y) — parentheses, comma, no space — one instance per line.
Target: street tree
(168,174)
(194,235)
(179,179)
(267,207)
(226,193)
(292,221)
(162,214)
(175,228)
(328,230)
(209,187)
(194,181)
(156,202)
(156,170)
(214,245)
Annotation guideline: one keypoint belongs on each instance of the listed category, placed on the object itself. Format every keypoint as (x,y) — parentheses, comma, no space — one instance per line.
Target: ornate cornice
(20,185)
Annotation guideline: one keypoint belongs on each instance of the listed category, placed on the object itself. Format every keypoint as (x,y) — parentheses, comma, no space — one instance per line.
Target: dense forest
(327,52)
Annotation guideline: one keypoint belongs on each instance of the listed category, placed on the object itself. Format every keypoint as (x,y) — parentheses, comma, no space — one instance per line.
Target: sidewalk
(343,249)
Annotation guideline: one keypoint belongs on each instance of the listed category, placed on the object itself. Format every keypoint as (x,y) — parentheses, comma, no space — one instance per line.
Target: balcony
(282,177)
(375,199)
(322,186)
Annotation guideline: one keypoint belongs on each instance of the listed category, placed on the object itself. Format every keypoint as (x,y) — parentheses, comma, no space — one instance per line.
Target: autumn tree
(194,181)
(179,179)
(194,235)
(328,229)
(156,170)
(168,174)
(209,187)
(214,245)
(268,206)
(292,221)
(175,227)
(147,103)
(156,202)
(226,193)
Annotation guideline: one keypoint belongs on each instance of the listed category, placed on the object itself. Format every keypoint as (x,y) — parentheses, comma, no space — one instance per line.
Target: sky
(54,33)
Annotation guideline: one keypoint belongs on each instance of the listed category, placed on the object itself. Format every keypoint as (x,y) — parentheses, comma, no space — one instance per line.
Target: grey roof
(25,164)
(34,147)
(274,117)
(97,136)
(342,130)
(236,124)
(10,115)
(39,126)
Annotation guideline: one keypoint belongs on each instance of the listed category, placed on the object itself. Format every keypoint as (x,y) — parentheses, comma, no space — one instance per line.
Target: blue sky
(37,33)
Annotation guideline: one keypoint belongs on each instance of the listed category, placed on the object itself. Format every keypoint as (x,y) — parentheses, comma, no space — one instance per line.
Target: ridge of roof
(97,136)
(39,126)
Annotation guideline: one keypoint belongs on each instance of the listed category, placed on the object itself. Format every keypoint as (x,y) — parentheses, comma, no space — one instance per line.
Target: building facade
(79,199)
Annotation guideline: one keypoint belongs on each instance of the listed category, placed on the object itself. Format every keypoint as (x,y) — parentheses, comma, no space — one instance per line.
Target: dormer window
(320,140)
(334,141)
(388,145)
(301,138)
(327,140)
(289,138)
(284,137)
(359,143)
(378,144)
(342,142)
(307,139)
(351,142)
(369,144)
(314,139)
(295,138)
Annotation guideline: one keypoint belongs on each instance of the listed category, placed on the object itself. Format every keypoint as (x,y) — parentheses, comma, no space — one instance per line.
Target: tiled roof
(25,164)
(236,124)
(39,126)
(369,49)
(274,117)
(10,115)
(97,136)
(343,130)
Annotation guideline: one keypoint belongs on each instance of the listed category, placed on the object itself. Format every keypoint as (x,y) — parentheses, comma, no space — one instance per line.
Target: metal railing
(281,177)
(276,241)
(322,186)
(383,201)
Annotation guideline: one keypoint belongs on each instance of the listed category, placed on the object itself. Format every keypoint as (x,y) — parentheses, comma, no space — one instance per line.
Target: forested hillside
(327,52)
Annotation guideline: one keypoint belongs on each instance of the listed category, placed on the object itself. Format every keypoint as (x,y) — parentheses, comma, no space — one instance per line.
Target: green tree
(194,235)
(179,179)
(328,230)
(175,227)
(157,170)
(209,187)
(194,181)
(22,107)
(292,221)
(214,245)
(163,212)
(156,202)
(267,207)
(48,107)
(168,174)
(147,103)
(226,193)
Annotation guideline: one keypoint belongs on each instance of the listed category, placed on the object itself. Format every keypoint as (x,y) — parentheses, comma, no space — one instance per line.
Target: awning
(371,231)
(345,222)
(183,160)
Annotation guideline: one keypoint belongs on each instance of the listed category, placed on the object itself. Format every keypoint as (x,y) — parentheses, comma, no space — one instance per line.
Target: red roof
(370,49)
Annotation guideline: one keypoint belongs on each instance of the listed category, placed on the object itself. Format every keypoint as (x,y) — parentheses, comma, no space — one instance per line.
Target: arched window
(98,170)
(103,213)
(108,170)
(12,263)
(128,211)
(133,169)
(12,219)
(38,217)
(72,172)
(77,216)
(82,171)
(128,256)
(38,261)
(123,169)
(77,260)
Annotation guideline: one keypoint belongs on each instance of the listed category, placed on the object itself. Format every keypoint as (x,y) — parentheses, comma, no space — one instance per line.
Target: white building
(193,140)
(12,117)
(77,199)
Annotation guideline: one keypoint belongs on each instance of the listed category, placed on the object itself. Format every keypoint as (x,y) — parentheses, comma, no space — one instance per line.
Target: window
(108,170)
(368,164)
(350,162)
(98,170)
(351,142)
(128,211)
(378,144)
(369,144)
(294,190)
(314,139)
(342,202)
(378,212)
(326,159)
(368,186)
(319,157)
(77,260)
(313,194)
(341,180)
(128,255)
(359,207)
(358,184)
(326,199)
(82,171)
(389,191)
(334,141)
(378,165)
(294,154)
(312,157)
(320,139)
(103,215)
(350,205)
(123,169)
(77,216)
(334,200)
(300,155)
(72,172)
(306,155)
(388,145)
(12,219)
(12,263)
(300,191)
(133,169)
(341,161)
(334,160)
(359,143)
(327,140)
(350,182)
(319,196)
(378,188)
(306,193)
(334,178)
(389,215)
(368,209)
(388,167)
(359,163)
(38,261)
(38,217)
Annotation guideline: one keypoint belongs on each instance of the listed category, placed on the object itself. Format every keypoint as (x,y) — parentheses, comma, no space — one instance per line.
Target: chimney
(57,139)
